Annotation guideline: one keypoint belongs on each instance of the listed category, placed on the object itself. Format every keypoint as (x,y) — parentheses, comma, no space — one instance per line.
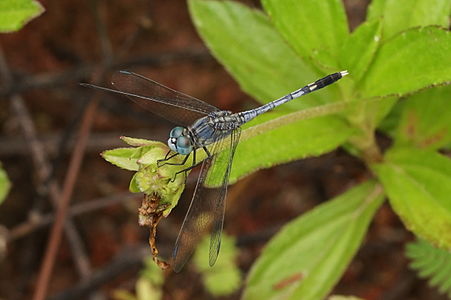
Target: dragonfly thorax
(180,141)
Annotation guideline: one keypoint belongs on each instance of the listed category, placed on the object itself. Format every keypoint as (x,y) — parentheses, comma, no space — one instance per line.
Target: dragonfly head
(179,141)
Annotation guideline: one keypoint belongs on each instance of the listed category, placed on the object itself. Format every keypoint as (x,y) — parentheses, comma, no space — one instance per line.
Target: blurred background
(53,130)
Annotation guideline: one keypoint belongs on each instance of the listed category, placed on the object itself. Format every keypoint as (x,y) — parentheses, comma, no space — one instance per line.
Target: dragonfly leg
(166,156)
(180,164)
(206,151)
(187,169)
(195,164)
(194,161)
(165,159)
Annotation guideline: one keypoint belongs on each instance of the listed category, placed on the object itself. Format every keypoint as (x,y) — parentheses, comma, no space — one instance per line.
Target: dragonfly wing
(206,211)
(196,223)
(223,170)
(170,104)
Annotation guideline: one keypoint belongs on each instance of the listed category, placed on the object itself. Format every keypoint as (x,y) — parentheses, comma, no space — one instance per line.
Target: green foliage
(359,49)
(315,29)
(152,272)
(14,14)
(5,185)
(257,51)
(313,137)
(224,278)
(418,186)
(400,71)
(125,158)
(399,15)
(412,60)
(423,121)
(431,263)
(143,151)
(388,57)
(317,246)
(150,178)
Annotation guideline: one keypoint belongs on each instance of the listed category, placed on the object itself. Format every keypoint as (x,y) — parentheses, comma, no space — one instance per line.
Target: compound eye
(184,145)
(171,144)
(183,142)
(176,132)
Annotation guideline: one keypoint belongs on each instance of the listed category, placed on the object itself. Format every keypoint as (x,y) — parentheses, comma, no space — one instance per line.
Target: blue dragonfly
(203,126)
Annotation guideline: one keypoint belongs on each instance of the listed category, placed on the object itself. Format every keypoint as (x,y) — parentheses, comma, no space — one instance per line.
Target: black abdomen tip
(329,79)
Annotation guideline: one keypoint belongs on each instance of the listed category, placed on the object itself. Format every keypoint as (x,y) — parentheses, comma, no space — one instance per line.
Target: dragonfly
(201,126)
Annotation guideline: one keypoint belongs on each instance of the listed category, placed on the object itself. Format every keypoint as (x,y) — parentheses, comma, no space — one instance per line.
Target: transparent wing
(195,225)
(206,211)
(161,100)
(223,170)
(174,106)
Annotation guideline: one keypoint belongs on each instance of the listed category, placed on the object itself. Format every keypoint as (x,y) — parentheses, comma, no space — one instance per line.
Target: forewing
(170,104)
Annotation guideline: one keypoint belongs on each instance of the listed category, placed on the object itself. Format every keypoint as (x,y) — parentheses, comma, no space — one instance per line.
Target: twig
(68,187)
(73,170)
(38,221)
(55,193)
(67,136)
(15,146)
(43,169)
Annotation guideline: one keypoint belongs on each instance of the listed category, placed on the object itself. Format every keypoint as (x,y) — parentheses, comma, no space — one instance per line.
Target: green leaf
(5,184)
(146,291)
(308,256)
(249,47)
(390,123)
(223,283)
(359,49)
(147,152)
(425,120)
(134,186)
(408,62)
(310,26)
(399,15)
(125,158)
(14,14)
(373,112)
(152,272)
(431,263)
(224,278)
(136,142)
(418,185)
(298,139)
(151,178)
